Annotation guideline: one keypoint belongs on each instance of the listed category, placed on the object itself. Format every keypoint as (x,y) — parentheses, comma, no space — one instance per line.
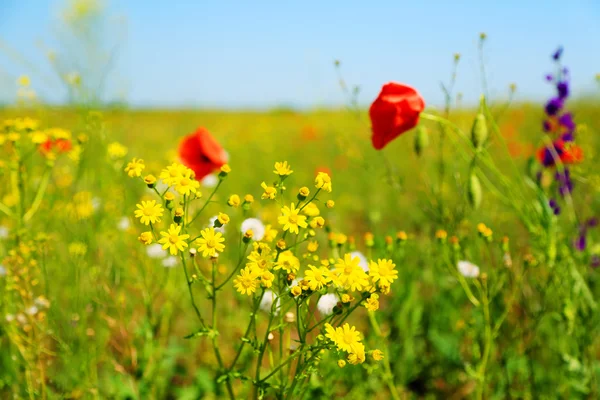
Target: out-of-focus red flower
(57,145)
(201,153)
(395,111)
(567,152)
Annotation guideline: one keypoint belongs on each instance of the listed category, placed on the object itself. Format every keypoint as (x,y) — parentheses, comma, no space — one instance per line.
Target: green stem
(388,377)
(37,201)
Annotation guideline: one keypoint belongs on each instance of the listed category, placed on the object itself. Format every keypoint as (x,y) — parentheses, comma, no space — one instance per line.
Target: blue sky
(239,54)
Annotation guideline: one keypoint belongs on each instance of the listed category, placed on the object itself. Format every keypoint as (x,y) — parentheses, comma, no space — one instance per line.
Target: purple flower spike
(580,243)
(553,106)
(557,54)
(546,126)
(549,78)
(592,222)
(566,120)
(568,137)
(563,90)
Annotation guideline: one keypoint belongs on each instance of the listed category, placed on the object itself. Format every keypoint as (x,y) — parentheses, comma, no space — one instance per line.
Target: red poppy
(395,111)
(58,145)
(201,153)
(567,152)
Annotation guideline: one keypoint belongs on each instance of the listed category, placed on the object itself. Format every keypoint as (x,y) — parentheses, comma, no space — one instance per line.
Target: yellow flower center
(173,239)
(184,181)
(211,243)
(348,270)
(348,338)
(293,218)
(148,211)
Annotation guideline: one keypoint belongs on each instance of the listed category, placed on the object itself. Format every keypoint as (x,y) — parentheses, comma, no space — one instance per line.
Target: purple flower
(565,184)
(595,262)
(554,206)
(556,55)
(563,89)
(568,137)
(549,77)
(553,106)
(548,157)
(547,126)
(566,120)
(580,242)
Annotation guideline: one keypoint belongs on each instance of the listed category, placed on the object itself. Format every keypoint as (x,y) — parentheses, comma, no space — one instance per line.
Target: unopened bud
(479,132)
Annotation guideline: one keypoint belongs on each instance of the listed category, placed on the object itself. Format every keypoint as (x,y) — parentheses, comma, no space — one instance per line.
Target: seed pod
(479,132)
(421,140)
(474,192)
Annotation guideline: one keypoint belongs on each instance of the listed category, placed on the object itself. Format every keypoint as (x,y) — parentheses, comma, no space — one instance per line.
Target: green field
(110,321)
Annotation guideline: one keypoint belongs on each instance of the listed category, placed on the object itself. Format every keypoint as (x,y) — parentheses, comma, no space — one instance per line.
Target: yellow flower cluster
(346,338)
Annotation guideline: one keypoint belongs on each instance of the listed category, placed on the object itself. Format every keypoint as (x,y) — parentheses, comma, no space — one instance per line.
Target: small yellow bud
(169,196)
(330,204)
(281,244)
(377,355)
(223,219)
(234,200)
(341,363)
(145,237)
(225,168)
(150,180)
(249,198)
(296,291)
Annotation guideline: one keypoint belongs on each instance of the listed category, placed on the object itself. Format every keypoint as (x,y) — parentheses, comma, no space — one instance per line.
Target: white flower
(42,302)
(266,303)
(156,251)
(2,270)
(124,224)
(211,222)
(363,263)
(467,269)
(327,302)
(32,310)
(257,228)
(210,181)
(9,317)
(96,203)
(21,318)
(3,232)
(170,262)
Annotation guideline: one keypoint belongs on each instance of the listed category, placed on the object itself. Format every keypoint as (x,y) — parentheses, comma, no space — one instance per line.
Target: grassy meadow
(88,312)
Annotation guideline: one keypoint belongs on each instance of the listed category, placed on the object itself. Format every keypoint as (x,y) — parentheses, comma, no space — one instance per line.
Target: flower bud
(150,180)
(248,235)
(479,132)
(303,193)
(225,170)
(421,140)
(474,191)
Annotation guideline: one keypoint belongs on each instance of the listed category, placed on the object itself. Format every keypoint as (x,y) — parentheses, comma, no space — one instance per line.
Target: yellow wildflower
(323,181)
(145,237)
(291,219)
(246,282)
(149,212)
(234,200)
(210,243)
(349,274)
(372,303)
(383,271)
(172,240)
(282,169)
(317,277)
(135,167)
(172,173)
(269,191)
